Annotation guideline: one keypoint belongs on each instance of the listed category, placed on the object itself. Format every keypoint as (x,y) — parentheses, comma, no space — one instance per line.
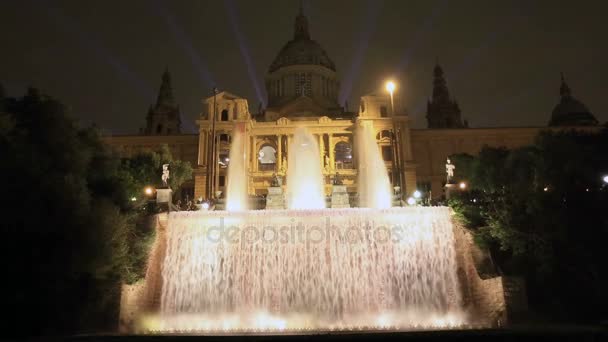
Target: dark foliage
(541,210)
(71,230)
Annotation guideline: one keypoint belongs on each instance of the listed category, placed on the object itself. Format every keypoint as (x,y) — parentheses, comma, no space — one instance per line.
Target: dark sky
(502,59)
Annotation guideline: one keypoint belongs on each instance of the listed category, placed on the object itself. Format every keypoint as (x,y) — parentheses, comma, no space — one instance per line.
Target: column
(254,154)
(332,154)
(279,152)
(322,151)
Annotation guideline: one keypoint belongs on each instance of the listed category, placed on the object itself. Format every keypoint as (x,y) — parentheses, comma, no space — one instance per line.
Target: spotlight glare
(417,194)
(411,201)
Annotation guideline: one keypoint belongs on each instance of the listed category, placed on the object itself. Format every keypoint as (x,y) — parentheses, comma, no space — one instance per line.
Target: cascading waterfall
(374,185)
(295,270)
(308,268)
(236,187)
(304,176)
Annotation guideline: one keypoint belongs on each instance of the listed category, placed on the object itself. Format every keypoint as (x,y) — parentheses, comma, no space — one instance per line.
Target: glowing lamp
(605,179)
(148,190)
(462,185)
(411,201)
(205,205)
(133,199)
(390,86)
(417,194)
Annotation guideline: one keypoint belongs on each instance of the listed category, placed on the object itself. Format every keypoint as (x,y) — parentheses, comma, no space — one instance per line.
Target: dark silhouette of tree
(542,211)
(72,233)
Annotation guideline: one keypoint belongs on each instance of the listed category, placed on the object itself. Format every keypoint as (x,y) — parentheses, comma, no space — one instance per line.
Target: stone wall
(491,299)
(144,296)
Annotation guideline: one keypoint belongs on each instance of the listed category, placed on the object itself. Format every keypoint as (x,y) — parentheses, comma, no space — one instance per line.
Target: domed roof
(570,111)
(302,50)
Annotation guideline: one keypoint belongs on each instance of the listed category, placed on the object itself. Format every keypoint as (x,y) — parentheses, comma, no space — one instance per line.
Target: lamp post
(390,87)
(212,160)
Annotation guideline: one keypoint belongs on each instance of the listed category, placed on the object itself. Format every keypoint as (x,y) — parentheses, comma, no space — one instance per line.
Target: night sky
(502,59)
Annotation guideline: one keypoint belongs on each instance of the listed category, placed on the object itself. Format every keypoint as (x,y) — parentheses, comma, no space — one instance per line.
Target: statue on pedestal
(449,169)
(338,179)
(275,182)
(165,176)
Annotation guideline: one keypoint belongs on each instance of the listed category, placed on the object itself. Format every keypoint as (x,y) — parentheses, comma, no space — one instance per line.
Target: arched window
(224,116)
(344,155)
(267,158)
(384,134)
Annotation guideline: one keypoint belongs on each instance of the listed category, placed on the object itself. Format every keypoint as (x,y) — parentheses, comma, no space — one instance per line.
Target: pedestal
(164,196)
(275,198)
(339,197)
(449,189)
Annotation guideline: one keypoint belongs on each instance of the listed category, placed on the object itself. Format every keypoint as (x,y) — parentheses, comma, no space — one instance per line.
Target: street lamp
(148,190)
(605,179)
(462,185)
(390,87)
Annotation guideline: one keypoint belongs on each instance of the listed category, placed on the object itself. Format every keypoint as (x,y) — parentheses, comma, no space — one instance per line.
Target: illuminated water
(295,270)
(236,187)
(373,183)
(304,176)
(309,268)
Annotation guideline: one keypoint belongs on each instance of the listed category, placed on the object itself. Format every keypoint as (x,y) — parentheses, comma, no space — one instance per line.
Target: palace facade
(302,85)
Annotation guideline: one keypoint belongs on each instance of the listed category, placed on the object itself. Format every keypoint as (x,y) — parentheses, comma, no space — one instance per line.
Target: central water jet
(304,176)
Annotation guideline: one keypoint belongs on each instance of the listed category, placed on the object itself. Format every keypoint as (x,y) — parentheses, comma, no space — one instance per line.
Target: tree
(540,209)
(72,233)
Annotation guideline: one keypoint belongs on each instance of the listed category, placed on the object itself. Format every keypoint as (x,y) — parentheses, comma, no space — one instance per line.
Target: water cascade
(304,176)
(236,187)
(299,270)
(374,185)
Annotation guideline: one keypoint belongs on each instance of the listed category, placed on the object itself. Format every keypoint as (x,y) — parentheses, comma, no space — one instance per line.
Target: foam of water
(299,270)
(236,187)
(374,186)
(304,176)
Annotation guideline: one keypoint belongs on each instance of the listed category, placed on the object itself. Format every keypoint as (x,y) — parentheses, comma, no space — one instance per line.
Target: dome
(302,51)
(570,111)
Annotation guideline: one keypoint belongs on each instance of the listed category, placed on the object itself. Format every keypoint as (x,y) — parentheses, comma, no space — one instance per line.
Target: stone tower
(442,111)
(164,117)
(570,111)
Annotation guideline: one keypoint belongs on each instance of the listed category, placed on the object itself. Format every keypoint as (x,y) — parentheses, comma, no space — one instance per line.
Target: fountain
(374,186)
(309,268)
(304,176)
(236,194)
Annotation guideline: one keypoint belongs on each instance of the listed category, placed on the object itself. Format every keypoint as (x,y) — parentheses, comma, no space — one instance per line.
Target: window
(222,180)
(159,129)
(344,155)
(383,111)
(387,153)
(384,134)
(224,116)
(224,137)
(224,159)
(267,157)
